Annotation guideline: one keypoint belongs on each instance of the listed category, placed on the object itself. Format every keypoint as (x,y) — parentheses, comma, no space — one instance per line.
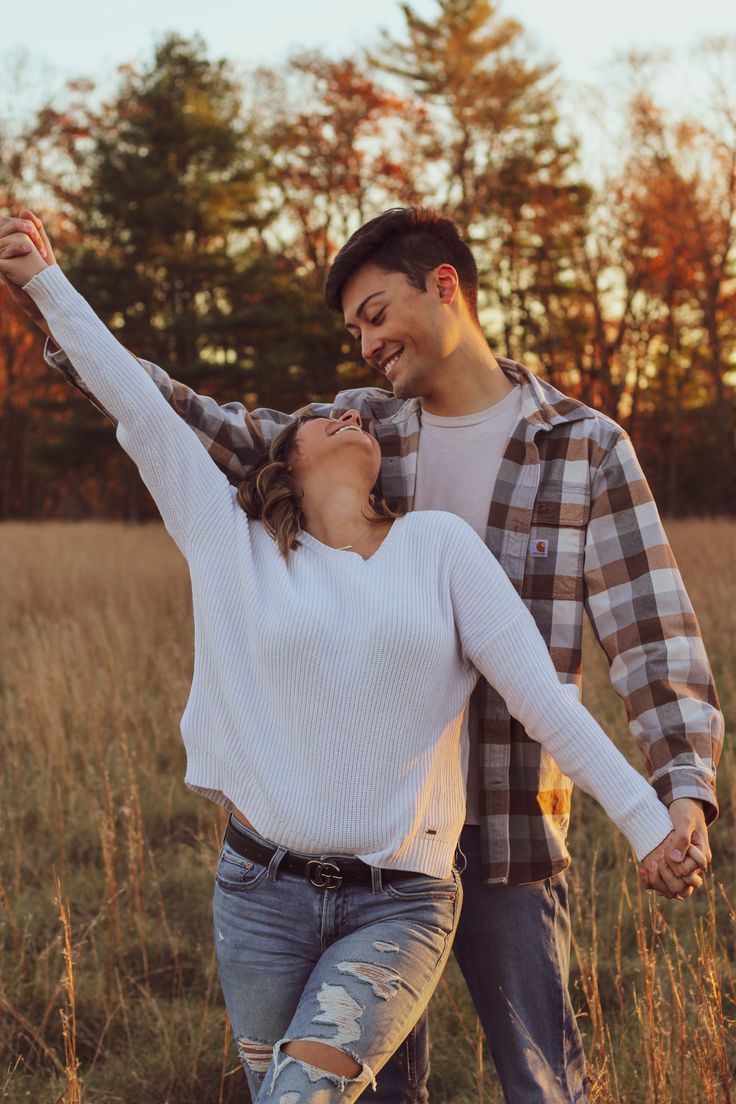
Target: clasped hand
(25,250)
(674,868)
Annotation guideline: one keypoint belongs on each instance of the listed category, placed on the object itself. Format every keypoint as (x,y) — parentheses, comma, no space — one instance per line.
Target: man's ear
(446,283)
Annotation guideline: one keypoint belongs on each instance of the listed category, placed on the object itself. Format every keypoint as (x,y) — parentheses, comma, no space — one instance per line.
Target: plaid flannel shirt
(574,526)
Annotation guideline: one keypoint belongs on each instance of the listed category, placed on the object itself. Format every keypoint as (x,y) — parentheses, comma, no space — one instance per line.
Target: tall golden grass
(108,988)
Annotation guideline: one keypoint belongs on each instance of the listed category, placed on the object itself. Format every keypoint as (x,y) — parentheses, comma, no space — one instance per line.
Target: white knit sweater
(328,690)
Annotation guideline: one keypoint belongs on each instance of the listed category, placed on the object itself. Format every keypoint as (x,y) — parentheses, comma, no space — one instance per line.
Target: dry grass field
(108,989)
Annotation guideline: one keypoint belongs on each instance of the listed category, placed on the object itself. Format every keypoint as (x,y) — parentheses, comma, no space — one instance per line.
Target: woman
(336,647)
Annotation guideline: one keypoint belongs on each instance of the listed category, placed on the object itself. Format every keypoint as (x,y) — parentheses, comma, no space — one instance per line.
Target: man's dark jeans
(513,947)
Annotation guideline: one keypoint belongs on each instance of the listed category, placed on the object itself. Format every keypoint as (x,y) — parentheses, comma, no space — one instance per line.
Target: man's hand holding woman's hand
(656,873)
(674,868)
(25,250)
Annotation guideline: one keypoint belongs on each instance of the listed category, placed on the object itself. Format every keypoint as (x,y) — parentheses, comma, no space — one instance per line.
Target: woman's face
(335,447)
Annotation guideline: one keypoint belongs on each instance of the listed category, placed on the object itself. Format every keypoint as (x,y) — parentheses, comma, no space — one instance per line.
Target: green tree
(169,200)
(158,193)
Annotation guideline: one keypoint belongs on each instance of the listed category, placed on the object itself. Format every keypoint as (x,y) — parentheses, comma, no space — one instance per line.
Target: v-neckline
(328,550)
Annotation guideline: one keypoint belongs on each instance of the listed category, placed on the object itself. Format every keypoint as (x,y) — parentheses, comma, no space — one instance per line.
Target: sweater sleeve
(499,637)
(174,465)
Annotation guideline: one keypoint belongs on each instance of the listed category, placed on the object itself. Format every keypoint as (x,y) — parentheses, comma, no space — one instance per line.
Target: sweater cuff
(647,825)
(50,290)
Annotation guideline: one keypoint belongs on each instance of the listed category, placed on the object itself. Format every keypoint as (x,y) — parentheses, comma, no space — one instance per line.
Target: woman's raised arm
(174,465)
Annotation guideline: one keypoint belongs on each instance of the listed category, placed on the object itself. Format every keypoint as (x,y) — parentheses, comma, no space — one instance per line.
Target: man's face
(405,333)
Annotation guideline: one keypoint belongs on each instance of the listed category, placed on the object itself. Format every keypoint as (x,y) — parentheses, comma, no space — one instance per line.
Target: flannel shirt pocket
(557,543)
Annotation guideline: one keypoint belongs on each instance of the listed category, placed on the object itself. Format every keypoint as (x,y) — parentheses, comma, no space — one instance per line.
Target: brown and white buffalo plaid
(574,526)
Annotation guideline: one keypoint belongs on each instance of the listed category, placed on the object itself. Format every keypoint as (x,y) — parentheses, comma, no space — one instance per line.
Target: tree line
(198,208)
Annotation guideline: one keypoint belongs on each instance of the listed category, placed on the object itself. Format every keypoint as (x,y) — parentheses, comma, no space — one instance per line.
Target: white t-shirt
(457,467)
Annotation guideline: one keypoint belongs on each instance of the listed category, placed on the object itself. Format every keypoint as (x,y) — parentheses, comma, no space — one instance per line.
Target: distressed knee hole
(323,1057)
(254,1054)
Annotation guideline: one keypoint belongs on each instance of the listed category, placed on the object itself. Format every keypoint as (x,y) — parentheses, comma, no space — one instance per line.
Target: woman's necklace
(349,547)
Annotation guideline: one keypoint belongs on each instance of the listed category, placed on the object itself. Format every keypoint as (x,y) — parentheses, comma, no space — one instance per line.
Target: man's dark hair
(412,240)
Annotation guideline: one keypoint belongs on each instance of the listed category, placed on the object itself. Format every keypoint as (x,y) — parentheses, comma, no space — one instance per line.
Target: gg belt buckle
(323,875)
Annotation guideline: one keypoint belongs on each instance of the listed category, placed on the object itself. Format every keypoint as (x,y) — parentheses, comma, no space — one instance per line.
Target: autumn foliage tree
(499,166)
(661,250)
(199,211)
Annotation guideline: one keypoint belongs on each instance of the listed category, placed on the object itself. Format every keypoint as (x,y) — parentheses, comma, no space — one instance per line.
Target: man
(555,490)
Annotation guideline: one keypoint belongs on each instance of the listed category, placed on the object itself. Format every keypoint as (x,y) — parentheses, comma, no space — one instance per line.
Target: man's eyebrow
(359,313)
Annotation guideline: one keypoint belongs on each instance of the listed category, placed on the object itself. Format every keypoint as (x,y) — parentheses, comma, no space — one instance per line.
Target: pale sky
(78,36)
(90,38)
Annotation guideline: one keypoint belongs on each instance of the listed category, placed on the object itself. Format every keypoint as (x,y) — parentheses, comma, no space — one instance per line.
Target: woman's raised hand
(15,235)
(25,249)
(20,256)
(27,225)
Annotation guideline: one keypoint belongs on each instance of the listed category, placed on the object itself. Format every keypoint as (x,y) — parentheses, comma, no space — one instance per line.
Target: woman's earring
(372,499)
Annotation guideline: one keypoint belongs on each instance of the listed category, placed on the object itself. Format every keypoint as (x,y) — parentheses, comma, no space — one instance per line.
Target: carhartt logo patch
(539,548)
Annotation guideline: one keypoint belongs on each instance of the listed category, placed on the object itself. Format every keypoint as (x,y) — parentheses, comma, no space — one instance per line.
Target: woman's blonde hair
(270,493)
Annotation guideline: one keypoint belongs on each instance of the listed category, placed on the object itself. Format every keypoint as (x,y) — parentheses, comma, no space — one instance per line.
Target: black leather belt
(322,871)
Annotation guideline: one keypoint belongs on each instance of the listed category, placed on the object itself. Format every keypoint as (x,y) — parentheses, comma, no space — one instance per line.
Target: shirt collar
(542,405)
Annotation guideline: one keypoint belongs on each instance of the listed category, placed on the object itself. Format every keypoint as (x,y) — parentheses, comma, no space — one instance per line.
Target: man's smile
(391,361)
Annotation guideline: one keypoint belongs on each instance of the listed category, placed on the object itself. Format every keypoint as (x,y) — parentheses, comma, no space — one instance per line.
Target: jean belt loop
(275,863)
(376,880)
